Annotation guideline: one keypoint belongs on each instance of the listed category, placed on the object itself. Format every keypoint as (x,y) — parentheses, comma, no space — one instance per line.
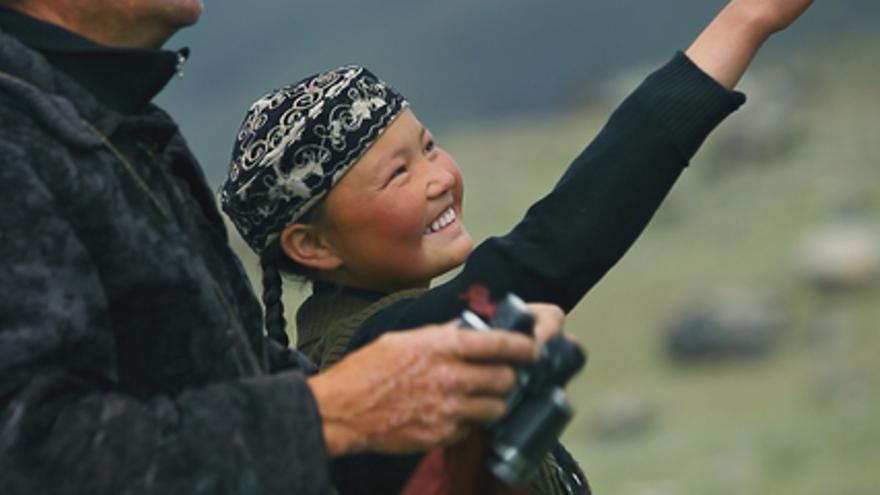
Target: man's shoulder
(20,134)
(24,115)
(14,110)
(23,138)
(38,103)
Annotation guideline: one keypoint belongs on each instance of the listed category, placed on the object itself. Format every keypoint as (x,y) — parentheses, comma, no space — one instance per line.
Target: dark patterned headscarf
(296,142)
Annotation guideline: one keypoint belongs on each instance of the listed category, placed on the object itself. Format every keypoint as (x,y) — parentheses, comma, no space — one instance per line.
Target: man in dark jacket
(131,353)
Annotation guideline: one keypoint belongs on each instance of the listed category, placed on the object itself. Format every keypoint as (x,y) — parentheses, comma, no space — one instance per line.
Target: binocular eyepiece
(537,408)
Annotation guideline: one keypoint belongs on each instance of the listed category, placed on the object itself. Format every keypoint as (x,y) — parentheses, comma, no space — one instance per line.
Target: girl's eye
(429,147)
(397,172)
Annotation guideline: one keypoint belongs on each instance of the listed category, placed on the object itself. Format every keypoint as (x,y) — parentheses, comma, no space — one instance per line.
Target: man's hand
(417,389)
(413,390)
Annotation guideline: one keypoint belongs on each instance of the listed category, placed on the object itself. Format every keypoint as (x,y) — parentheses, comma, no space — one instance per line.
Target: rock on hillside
(840,256)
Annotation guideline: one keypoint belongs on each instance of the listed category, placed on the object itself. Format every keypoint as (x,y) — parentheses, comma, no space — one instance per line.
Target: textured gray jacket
(131,355)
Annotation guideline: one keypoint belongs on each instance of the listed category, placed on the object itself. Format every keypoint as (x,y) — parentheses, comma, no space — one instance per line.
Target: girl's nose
(440,181)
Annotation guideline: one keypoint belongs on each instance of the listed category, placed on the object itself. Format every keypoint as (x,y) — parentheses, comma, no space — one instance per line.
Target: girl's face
(394,220)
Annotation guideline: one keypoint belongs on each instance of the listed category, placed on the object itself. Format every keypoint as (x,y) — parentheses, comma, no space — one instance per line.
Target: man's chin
(188,12)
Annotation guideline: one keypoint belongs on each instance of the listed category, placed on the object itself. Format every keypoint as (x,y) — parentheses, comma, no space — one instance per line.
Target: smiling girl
(334,178)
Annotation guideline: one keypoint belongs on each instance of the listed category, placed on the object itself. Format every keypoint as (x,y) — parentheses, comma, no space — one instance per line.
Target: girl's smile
(447,219)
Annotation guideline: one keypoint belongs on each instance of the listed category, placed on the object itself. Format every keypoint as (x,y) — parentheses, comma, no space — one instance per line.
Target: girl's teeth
(441,222)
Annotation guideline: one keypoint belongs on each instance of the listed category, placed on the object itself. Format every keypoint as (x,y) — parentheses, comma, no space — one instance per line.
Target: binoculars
(537,408)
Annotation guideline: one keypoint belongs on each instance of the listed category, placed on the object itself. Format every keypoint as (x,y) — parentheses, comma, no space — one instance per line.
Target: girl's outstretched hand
(773,15)
(726,47)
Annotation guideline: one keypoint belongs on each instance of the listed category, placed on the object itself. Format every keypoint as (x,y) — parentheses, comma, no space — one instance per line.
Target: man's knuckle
(506,377)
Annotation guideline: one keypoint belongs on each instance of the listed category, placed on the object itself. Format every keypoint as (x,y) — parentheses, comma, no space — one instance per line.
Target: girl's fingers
(549,320)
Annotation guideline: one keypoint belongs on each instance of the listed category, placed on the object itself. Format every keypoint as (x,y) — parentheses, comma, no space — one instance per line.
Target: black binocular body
(537,408)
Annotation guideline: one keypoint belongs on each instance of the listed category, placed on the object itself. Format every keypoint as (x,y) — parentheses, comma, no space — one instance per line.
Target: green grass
(764,427)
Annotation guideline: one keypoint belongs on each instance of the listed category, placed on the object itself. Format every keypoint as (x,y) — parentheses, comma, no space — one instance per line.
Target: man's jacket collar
(124,79)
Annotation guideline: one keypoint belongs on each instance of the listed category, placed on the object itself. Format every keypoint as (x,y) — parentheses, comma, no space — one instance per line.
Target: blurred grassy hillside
(806,419)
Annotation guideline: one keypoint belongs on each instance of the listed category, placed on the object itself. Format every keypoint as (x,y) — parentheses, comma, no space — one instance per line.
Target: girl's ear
(305,245)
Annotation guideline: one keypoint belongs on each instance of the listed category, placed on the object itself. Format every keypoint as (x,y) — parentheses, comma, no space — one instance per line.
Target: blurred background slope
(457,60)
(734,348)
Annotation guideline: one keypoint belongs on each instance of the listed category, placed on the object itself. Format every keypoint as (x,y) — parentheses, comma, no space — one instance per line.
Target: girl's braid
(272,287)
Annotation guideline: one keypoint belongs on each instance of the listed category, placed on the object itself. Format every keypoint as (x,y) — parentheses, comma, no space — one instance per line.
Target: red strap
(479,301)
(457,470)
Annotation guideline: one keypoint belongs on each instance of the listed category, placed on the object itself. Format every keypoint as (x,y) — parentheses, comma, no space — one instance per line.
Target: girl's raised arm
(573,236)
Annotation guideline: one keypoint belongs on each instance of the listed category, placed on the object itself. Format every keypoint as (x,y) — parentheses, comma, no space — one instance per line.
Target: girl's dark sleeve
(65,427)
(569,239)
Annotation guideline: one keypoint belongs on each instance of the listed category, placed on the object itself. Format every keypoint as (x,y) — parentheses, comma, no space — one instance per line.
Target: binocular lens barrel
(519,447)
